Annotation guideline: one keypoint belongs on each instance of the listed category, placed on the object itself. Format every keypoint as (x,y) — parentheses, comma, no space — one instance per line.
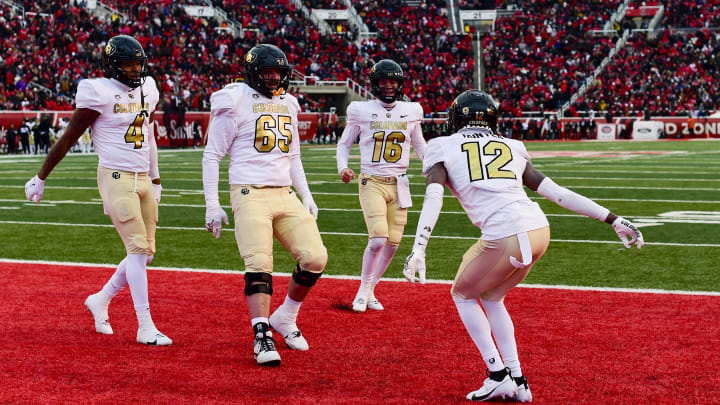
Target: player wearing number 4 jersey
(487,172)
(119,109)
(256,124)
(386,128)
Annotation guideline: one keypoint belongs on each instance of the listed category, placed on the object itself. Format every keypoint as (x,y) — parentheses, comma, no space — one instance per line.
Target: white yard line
(354,234)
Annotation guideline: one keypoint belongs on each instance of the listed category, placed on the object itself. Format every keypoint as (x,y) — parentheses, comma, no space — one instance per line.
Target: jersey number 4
(389,147)
(494,168)
(134,132)
(266,138)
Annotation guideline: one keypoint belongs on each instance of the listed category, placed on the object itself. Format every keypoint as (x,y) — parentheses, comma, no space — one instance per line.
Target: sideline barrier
(168,131)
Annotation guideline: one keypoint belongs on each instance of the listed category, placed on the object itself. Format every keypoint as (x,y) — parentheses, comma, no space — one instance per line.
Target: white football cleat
(360,304)
(374,304)
(153,337)
(98,307)
(491,389)
(288,329)
(523,390)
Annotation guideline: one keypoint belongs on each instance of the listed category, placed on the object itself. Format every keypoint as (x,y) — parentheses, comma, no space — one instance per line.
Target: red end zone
(576,346)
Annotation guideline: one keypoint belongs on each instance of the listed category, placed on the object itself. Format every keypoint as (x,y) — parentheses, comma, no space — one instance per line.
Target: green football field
(671,189)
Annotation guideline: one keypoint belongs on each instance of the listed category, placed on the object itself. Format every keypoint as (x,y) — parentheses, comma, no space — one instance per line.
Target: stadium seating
(537,58)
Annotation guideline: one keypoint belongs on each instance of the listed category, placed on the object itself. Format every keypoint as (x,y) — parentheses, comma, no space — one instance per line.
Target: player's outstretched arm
(628,233)
(81,119)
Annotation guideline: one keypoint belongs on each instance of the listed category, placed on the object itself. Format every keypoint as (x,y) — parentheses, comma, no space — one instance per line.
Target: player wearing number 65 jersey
(487,172)
(119,109)
(256,124)
(386,128)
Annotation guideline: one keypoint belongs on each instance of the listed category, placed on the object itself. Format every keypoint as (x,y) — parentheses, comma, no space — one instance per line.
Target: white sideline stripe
(363,234)
(392,279)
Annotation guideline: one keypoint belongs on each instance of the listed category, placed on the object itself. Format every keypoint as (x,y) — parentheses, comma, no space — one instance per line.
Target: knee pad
(258,283)
(305,278)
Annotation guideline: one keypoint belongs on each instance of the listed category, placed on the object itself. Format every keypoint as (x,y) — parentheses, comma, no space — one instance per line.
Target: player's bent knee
(305,278)
(313,262)
(258,283)
(457,291)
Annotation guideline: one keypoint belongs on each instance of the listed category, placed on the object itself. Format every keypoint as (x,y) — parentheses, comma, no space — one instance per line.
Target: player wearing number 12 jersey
(386,128)
(119,109)
(256,124)
(487,173)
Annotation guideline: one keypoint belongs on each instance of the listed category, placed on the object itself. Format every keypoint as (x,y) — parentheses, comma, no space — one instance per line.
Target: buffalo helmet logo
(109,49)
(250,57)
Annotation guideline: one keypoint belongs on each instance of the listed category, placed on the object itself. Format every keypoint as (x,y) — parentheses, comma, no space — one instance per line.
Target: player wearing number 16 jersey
(487,173)
(256,124)
(119,109)
(386,128)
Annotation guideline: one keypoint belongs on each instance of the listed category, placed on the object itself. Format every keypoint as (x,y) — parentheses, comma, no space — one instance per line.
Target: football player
(119,109)
(255,122)
(487,172)
(386,128)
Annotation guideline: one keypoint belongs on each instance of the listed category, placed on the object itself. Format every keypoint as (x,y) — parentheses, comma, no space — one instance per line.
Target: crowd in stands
(437,61)
(541,54)
(538,56)
(674,74)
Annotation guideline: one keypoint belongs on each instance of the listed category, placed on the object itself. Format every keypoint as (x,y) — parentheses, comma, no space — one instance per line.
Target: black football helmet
(121,48)
(473,108)
(386,69)
(266,56)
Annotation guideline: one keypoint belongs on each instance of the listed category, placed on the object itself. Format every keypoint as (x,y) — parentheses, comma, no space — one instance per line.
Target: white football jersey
(120,131)
(385,136)
(264,139)
(485,174)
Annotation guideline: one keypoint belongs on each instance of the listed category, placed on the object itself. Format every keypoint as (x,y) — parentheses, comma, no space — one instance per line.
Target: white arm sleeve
(418,142)
(297,175)
(220,135)
(154,169)
(432,204)
(571,200)
(349,135)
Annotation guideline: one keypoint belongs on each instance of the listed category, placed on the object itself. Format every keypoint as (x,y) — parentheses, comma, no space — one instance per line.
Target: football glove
(157,191)
(214,218)
(415,263)
(310,205)
(34,189)
(626,229)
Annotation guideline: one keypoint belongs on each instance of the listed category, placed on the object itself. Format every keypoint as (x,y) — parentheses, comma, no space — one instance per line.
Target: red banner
(169,131)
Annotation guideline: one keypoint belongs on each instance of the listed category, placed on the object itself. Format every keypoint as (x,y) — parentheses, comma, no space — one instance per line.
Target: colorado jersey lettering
(485,174)
(120,132)
(385,136)
(262,146)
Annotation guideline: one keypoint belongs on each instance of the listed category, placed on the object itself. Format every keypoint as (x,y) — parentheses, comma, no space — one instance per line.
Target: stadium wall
(168,131)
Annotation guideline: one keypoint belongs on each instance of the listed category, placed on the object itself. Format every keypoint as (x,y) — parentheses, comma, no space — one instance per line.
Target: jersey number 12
(494,168)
